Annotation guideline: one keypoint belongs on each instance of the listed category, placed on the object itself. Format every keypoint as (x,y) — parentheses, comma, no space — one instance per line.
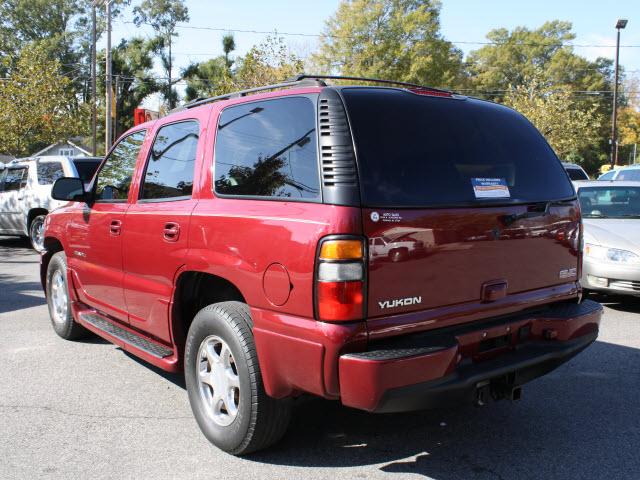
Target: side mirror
(69,189)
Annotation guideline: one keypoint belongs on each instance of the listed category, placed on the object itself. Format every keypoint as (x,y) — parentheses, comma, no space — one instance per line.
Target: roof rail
(304,76)
(300,80)
(241,93)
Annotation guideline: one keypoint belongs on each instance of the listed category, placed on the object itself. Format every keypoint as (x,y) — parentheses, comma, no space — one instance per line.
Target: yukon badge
(400,302)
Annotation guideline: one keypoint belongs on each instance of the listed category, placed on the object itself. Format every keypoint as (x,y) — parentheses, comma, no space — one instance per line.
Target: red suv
(236,239)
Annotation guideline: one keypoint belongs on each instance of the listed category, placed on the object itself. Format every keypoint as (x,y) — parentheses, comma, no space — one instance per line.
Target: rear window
(86,168)
(49,172)
(576,174)
(415,150)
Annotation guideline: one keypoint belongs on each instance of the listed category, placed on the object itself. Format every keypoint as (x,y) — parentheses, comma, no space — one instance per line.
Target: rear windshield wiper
(509,219)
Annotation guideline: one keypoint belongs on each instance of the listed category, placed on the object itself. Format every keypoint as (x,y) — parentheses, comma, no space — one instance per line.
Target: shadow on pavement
(16,293)
(622,303)
(582,421)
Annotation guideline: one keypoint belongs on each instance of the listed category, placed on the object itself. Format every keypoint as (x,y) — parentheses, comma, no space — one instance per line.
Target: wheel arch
(52,246)
(193,291)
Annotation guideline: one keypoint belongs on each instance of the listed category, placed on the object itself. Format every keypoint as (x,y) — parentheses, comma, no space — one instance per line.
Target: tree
(132,64)
(163,16)
(205,79)
(37,104)
(522,53)
(389,39)
(266,63)
(228,46)
(553,111)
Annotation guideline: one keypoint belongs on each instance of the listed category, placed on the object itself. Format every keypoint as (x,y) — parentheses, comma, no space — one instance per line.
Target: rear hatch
(464,201)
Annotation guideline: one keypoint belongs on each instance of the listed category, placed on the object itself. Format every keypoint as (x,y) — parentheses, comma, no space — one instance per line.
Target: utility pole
(108,134)
(115,111)
(94,148)
(169,93)
(614,140)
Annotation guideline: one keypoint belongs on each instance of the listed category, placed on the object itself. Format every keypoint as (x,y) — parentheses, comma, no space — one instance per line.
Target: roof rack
(366,79)
(241,93)
(301,80)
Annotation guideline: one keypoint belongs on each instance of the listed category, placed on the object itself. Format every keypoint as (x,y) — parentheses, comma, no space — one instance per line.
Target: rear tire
(59,302)
(224,382)
(36,233)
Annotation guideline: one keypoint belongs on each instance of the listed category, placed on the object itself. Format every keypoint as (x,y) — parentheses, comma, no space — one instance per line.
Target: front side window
(86,168)
(169,172)
(16,179)
(268,149)
(607,176)
(49,172)
(114,179)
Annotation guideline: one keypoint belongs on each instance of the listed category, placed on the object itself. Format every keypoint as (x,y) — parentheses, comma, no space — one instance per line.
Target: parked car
(611,218)
(575,172)
(230,239)
(628,173)
(25,192)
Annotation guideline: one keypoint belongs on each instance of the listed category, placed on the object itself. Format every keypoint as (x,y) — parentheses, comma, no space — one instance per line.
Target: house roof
(82,148)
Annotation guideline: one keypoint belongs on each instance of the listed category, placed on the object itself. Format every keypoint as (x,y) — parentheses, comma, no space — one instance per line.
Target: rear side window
(576,174)
(268,149)
(49,172)
(86,168)
(16,179)
(169,171)
(114,178)
(416,150)
(607,176)
(632,175)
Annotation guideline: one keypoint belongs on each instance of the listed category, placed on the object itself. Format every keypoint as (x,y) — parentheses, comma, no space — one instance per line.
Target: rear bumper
(447,368)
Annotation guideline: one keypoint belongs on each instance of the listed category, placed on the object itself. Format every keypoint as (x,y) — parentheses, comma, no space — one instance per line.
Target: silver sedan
(611,248)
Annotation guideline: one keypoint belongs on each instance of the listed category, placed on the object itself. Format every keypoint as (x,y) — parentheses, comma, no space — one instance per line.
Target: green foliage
(554,112)
(390,39)
(163,16)
(37,105)
(522,53)
(266,63)
(132,63)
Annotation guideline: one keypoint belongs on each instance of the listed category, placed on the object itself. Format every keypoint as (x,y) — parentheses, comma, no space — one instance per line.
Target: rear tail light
(340,280)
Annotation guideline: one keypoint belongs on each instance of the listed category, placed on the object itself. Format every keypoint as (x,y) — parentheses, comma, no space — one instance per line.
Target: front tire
(224,382)
(36,233)
(59,302)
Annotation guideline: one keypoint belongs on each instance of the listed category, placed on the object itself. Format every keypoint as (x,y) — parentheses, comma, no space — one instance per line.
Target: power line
(461,42)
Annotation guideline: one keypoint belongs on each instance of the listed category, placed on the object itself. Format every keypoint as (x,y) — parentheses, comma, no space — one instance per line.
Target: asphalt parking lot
(89,410)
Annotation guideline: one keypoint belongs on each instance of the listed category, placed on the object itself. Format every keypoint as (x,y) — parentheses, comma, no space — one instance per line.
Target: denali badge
(400,302)
(568,273)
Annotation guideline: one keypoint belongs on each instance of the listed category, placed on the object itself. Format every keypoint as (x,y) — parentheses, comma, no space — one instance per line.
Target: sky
(462,21)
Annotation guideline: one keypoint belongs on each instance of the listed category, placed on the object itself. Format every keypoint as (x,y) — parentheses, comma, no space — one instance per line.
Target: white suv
(25,192)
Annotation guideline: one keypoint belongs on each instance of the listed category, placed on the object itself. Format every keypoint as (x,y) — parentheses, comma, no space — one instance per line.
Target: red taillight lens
(340,301)
(339,281)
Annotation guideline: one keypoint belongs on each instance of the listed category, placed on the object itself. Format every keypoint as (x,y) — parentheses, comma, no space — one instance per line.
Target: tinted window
(576,174)
(170,165)
(114,179)
(268,149)
(86,168)
(632,175)
(417,150)
(16,179)
(49,172)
